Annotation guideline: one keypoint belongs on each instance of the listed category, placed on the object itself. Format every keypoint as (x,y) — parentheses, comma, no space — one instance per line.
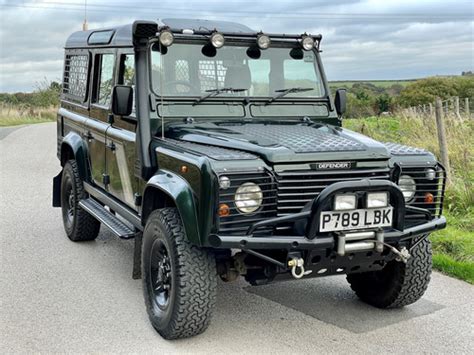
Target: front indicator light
(429,198)
(248,197)
(223,210)
(345,202)
(377,199)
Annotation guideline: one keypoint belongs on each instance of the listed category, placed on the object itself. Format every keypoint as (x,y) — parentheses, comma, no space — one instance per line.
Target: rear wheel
(179,279)
(397,284)
(78,224)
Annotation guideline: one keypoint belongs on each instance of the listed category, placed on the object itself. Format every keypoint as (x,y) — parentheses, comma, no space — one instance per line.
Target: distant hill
(379,83)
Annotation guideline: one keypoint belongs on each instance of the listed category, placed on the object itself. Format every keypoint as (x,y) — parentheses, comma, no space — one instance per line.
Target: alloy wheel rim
(161,278)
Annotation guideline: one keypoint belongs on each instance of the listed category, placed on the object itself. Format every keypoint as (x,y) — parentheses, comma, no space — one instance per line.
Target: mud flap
(57,190)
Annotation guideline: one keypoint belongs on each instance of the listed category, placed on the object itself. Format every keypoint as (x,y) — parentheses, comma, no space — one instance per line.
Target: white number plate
(333,221)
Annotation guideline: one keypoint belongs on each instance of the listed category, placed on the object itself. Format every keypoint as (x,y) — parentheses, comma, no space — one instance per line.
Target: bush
(426,91)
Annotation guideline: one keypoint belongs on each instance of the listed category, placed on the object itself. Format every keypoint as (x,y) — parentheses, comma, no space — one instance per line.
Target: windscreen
(195,70)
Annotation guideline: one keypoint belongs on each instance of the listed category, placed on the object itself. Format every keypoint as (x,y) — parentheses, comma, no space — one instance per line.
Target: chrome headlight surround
(408,187)
(248,198)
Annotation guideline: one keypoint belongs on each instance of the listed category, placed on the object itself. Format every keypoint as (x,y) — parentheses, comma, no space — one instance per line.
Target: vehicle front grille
(288,192)
(297,188)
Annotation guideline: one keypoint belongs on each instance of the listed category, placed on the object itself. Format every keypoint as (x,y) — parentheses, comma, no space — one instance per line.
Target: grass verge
(11,115)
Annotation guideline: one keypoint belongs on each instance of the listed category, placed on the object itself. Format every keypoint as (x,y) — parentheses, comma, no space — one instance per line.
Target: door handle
(88,135)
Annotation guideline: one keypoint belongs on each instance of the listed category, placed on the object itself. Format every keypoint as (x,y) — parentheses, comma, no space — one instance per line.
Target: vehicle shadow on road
(332,301)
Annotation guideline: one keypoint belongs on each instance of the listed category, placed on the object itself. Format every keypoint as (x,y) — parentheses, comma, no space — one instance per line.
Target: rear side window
(105,79)
(76,68)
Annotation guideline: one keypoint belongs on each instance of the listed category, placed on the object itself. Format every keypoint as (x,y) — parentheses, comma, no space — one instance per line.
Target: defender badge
(338,165)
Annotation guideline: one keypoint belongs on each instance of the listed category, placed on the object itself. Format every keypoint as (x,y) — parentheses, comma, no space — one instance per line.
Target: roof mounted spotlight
(263,41)
(307,42)
(217,39)
(166,38)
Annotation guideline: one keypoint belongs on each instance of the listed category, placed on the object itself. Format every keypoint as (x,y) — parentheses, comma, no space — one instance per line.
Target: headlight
(307,43)
(224,182)
(248,197)
(377,199)
(217,39)
(345,202)
(166,38)
(263,41)
(430,174)
(408,187)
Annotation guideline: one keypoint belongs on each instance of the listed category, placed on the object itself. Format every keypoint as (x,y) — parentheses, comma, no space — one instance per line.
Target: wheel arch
(73,147)
(167,189)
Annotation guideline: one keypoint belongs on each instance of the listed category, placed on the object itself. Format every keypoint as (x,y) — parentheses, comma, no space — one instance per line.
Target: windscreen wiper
(283,92)
(215,92)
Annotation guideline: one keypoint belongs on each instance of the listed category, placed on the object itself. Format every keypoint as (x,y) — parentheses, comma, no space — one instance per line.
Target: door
(120,138)
(97,124)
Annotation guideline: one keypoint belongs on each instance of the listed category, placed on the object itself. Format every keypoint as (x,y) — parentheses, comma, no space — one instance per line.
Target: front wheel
(179,279)
(397,284)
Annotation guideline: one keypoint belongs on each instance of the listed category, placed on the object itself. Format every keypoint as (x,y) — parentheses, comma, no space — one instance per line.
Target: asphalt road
(60,296)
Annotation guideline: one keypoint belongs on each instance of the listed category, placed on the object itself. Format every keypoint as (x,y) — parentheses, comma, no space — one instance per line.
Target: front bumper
(303,243)
(315,240)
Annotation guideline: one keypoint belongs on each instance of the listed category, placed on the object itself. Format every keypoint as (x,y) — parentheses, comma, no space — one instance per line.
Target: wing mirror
(340,101)
(122,100)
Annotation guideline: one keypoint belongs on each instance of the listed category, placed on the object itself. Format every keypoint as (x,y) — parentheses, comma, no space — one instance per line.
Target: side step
(98,211)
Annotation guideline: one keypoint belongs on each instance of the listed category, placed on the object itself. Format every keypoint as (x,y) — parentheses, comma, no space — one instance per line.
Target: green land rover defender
(221,151)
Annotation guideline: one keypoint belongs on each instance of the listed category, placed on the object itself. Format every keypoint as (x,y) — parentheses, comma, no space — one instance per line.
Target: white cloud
(362,39)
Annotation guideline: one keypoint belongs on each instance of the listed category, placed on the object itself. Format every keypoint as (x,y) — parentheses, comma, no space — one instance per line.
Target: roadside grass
(14,115)
(453,247)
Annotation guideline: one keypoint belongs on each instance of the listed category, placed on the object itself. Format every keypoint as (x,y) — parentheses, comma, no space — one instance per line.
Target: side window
(105,79)
(76,68)
(127,70)
(127,74)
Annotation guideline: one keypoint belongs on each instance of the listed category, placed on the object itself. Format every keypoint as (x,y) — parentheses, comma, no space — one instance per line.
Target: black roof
(122,35)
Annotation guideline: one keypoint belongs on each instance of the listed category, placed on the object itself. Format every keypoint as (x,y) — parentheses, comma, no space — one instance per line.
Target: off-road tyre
(397,284)
(78,224)
(191,295)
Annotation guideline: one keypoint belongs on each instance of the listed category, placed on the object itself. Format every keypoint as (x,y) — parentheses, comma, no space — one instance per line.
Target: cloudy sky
(362,39)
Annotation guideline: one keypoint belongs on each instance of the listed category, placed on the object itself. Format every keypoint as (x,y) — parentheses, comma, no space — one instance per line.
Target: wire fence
(460,108)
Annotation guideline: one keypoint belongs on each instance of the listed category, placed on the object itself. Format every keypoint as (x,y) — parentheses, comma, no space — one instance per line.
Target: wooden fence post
(466,107)
(456,108)
(443,145)
(431,109)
